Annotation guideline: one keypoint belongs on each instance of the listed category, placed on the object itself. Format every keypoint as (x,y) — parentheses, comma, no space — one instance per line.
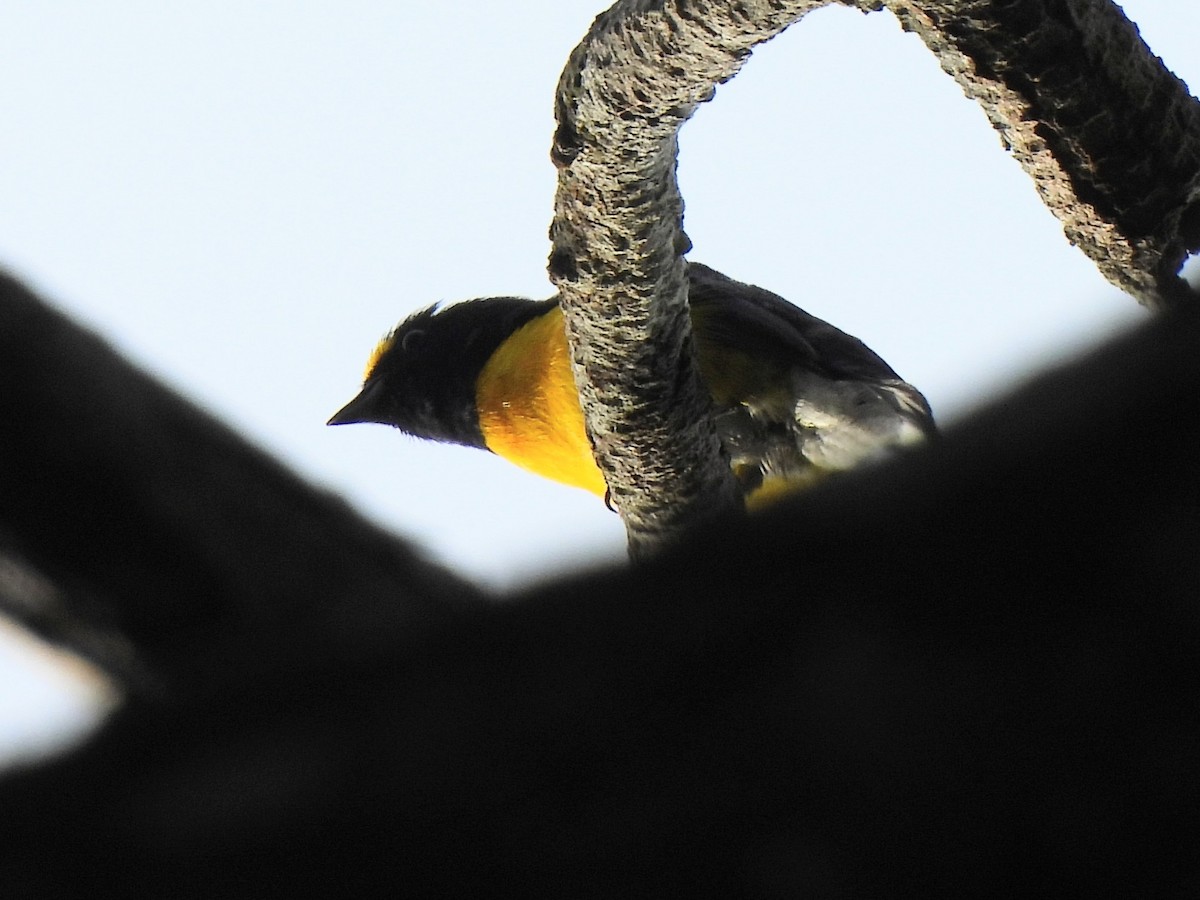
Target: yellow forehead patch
(381,348)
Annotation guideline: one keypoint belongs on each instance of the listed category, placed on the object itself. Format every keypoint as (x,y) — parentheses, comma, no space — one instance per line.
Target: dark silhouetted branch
(968,671)
(148,537)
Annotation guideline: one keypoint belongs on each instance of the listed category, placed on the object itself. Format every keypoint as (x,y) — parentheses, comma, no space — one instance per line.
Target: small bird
(794,398)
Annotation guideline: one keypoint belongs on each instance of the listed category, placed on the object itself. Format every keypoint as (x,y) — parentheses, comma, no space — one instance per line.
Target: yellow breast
(528,407)
(529,410)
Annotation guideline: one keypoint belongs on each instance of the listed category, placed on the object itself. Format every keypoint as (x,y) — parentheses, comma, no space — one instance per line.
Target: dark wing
(843,402)
(768,323)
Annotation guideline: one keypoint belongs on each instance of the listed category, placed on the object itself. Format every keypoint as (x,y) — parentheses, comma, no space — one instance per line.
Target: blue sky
(244,197)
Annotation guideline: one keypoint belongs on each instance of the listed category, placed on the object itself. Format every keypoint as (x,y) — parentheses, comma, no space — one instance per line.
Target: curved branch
(1109,135)
(618,246)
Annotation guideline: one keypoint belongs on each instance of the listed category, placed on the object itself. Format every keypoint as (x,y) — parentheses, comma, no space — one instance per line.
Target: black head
(421,377)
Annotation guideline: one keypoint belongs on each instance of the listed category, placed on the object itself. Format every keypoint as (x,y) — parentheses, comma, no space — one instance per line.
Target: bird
(794,399)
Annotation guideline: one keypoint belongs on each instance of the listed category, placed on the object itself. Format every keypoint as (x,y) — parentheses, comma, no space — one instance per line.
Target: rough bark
(1110,137)
(618,246)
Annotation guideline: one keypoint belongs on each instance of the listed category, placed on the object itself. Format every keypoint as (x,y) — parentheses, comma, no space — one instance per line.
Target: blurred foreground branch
(967,669)
(154,541)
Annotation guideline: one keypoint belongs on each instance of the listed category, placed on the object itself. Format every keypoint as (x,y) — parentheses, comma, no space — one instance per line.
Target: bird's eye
(410,341)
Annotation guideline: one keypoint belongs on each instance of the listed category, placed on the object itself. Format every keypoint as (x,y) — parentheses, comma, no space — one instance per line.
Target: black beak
(363,408)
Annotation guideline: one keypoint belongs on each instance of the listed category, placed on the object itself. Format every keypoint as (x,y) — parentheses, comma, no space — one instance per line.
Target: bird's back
(795,396)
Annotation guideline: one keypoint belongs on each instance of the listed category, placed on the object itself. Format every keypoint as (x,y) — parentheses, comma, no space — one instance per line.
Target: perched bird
(793,396)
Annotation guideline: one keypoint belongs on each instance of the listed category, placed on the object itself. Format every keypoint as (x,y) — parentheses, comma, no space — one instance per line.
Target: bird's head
(421,377)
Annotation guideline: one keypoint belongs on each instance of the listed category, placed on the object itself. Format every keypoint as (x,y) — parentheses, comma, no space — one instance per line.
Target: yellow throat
(529,410)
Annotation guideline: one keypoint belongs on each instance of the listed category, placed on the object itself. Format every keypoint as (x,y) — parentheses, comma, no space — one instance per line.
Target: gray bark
(618,239)
(1110,137)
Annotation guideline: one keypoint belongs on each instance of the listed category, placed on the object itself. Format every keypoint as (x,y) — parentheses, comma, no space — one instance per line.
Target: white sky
(245,197)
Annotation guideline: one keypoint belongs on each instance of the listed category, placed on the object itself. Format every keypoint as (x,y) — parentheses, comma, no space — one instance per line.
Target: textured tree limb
(1110,137)
(617,258)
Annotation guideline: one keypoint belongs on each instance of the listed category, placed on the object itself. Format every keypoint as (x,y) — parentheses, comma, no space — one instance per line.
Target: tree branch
(1110,137)
(618,246)
(144,535)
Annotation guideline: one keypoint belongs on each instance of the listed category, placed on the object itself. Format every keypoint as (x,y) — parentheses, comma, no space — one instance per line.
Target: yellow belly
(529,410)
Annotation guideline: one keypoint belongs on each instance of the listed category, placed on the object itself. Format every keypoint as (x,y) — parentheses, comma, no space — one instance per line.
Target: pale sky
(244,197)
